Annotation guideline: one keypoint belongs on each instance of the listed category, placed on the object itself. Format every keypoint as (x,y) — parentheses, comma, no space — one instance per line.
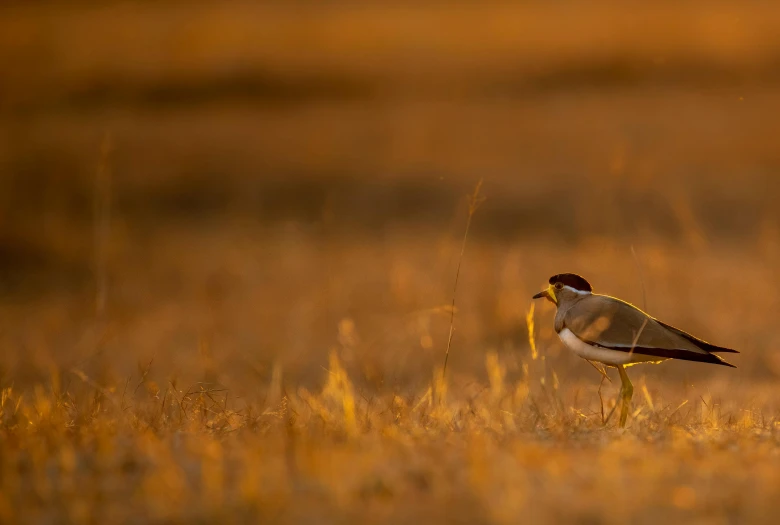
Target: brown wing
(607,322)
(698,342)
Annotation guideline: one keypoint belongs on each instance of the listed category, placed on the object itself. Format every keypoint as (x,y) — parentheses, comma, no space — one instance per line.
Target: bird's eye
(559,286)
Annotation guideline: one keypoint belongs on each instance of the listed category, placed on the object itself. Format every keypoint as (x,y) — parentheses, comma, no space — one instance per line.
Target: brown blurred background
(216,187)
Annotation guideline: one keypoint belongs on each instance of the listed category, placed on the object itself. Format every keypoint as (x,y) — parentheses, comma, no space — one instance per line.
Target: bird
(618,334)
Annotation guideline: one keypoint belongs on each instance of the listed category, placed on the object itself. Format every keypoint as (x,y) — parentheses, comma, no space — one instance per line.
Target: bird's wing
(610,323)
(695,340)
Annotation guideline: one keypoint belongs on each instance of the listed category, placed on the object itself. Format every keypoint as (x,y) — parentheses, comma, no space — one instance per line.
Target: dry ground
(303,385)
(239,312)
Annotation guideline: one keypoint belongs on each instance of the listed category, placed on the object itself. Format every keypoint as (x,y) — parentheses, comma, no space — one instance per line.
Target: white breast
(602,355)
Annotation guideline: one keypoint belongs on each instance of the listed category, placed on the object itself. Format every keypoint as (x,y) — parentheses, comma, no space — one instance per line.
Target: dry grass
(504,451)
(241,394)
(238,310)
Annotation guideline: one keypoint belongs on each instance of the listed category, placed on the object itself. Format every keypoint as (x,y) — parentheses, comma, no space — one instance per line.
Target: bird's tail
(704,345)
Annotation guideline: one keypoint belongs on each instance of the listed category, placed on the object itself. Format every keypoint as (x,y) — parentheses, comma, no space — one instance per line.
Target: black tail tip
(725,363)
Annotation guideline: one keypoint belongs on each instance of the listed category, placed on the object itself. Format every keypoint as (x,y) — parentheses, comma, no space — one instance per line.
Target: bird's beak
(549,293)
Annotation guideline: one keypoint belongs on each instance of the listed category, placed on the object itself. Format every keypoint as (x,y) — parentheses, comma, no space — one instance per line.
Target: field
(229,238)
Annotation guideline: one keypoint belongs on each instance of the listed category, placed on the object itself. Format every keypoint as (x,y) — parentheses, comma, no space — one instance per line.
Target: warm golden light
(230,234)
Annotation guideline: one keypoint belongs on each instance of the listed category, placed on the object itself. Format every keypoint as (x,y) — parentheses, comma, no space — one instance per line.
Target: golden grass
(243,317)
(246,404)
(512,451)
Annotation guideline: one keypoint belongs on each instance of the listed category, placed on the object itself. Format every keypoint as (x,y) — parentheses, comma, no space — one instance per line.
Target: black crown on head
(573,280)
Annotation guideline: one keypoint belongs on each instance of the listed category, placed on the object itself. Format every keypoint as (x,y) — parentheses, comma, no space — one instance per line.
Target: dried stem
(474,201)
(102,218)
(641,278)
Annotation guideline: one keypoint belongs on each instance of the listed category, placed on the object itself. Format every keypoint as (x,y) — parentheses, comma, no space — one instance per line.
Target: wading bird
(618,334)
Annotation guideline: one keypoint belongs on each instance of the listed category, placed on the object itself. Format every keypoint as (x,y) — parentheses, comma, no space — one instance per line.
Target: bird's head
(565,287)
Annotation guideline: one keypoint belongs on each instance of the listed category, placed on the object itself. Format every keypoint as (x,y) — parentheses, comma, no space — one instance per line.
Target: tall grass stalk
(474,201)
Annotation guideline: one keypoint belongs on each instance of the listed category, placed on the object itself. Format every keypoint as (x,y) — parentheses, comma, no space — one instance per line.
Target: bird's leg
(626,392)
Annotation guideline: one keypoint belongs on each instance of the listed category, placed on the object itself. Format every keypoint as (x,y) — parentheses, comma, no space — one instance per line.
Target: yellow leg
(626,392)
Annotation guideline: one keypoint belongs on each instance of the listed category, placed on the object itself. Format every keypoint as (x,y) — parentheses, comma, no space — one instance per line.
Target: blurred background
(211,189)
